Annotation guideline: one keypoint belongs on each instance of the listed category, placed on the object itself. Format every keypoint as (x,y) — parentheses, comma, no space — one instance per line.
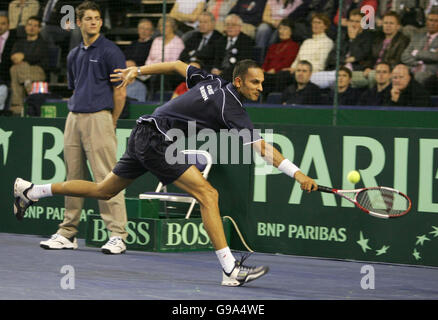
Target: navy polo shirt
(211,101)
(88,75)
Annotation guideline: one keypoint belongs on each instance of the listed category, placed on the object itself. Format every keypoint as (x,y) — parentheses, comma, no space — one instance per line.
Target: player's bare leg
(26,193)
(194,183)
(234,272)
(104,190)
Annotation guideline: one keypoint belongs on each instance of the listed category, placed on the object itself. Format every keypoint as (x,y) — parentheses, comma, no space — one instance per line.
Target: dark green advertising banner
(271,211)
(285,219)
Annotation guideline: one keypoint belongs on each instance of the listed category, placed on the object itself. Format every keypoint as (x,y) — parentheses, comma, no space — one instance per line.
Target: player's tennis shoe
(242,274)
(22,201)
(58,242)
(115,245)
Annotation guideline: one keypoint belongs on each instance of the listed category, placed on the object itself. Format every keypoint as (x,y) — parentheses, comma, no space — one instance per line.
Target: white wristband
(288,168)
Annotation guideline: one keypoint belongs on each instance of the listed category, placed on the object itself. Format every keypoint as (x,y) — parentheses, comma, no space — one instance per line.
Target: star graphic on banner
(416,254)
(383,250)
(363,243)
(421,239)
(434,232)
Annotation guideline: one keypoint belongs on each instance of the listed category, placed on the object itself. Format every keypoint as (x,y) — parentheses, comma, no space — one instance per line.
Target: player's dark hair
(84,6)
(241,68)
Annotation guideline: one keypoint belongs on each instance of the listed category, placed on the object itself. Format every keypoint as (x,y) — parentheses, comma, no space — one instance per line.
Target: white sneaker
(57,242)
(242,274)
(22,201)
(115,245)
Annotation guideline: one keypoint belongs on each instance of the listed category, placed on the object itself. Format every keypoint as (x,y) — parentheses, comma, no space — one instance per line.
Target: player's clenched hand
(306,182)
(127,76)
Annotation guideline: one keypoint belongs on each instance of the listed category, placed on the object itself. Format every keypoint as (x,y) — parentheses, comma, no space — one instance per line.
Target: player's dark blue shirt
(211,101)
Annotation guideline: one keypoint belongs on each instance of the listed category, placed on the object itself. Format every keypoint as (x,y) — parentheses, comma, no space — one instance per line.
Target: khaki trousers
(19,74)
(91,136)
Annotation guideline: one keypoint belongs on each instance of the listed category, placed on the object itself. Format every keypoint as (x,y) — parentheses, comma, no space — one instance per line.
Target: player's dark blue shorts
(146,153)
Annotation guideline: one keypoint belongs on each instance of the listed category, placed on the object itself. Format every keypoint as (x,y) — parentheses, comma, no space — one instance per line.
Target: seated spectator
(52,31)
(355,51)
(7,39)
(30,59)
(347,96)
(182,87)
(201,44)
(220,10)
(173,46)
(422,53)
(236,46)
(19,12)
(274,13)
(376,95)
(406,91)
(282,54)
(387,46)
(316,49)
(303,91)
(186,13)
(137,53)
(413,14)
(251,12)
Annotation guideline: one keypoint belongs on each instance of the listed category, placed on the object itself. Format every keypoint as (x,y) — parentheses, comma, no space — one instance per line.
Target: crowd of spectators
(388,58)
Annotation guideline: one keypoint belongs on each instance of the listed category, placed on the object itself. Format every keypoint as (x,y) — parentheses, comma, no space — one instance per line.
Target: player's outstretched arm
(128,75)
(272,156)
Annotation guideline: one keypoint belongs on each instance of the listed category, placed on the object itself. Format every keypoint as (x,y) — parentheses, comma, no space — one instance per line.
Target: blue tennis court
(29,272)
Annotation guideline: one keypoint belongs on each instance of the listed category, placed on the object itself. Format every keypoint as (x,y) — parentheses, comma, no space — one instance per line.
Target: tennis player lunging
(213,103)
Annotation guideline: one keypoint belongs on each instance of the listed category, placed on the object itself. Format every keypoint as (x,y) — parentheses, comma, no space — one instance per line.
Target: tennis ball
(353,176)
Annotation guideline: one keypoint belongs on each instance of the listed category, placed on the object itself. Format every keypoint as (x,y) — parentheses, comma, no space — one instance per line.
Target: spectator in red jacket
(282,54)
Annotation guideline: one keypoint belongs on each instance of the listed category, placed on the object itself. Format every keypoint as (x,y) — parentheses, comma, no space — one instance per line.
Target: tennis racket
(380,202)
